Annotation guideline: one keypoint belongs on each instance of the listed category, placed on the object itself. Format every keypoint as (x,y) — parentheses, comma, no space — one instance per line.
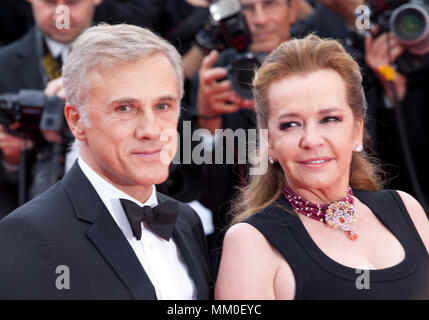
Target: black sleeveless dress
(319,277)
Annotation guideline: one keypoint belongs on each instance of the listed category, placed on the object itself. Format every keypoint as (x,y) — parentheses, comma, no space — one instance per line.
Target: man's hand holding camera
(55,87)
(383,51)
(216,98)
(12,145)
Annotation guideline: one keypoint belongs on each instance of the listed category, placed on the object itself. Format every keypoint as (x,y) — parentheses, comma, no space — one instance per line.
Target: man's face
(130,107)
(269,22)
(51,17)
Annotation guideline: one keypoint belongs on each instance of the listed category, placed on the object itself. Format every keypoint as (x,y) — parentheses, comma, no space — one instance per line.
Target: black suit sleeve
(27,270)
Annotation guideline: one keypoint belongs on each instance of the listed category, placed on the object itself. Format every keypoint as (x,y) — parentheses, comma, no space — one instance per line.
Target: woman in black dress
(317,224)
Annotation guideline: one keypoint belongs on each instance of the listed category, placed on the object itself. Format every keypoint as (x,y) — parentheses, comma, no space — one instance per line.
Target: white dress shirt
(56,48)
(160,259)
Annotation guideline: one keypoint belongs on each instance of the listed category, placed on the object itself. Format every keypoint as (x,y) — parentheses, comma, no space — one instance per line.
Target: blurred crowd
(33,49)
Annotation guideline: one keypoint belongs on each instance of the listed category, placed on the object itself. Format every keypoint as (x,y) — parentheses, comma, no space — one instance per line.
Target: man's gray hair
(105,46)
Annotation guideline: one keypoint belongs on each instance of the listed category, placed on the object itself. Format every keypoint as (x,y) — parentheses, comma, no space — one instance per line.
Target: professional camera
(409,22)
(34,111)
(37,113)
(227,28)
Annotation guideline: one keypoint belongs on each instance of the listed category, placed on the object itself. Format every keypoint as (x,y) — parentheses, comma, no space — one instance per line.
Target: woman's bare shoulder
(247,241)
(417,215)
(249,265)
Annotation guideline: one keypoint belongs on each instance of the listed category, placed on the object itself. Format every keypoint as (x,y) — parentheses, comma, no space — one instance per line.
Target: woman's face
(312,132)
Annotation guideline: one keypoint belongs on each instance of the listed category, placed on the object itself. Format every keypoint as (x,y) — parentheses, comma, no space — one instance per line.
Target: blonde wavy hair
(301,56)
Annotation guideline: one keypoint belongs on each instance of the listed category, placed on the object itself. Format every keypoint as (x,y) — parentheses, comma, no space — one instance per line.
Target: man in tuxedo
(103,232)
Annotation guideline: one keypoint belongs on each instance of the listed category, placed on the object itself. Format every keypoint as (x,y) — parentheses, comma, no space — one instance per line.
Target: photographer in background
(330,18)
(34,62)
(215,105)
(269,23)
(383,47)
(403,101)
(16,17)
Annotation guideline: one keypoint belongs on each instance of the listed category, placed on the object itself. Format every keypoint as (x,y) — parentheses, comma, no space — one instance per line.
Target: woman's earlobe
(271,151)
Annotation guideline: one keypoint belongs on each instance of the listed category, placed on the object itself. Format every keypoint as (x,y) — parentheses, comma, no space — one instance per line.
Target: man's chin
(153,177)
(265,47)
(63,37)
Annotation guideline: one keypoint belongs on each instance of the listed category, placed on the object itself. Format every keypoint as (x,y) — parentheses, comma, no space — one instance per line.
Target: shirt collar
(57,48)
(110,196)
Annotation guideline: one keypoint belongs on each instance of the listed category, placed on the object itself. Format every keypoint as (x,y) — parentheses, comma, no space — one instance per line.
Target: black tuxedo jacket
(69,226)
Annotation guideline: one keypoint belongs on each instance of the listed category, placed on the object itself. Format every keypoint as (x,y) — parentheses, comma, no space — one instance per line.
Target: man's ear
(75,121)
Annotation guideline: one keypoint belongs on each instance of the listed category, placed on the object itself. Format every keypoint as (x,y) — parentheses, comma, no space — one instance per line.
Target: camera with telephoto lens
(227,28)
(409,23)
(34,111)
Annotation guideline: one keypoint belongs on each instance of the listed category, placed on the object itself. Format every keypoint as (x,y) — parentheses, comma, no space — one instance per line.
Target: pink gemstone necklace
(340,214)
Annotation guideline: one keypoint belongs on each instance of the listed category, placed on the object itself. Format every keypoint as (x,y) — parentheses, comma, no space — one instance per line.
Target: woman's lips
(315,163)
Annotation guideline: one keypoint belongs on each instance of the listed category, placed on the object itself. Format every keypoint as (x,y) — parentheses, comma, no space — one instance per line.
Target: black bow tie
(161,219)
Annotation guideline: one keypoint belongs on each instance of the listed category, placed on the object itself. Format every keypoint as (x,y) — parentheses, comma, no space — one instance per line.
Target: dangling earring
(359,148)
(271,159)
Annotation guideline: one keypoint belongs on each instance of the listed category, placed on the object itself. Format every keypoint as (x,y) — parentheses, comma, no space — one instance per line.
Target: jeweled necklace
(340,214)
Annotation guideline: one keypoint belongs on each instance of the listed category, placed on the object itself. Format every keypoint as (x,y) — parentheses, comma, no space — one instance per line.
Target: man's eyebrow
(134,100)
(167,98)
(251,3)
(122,100)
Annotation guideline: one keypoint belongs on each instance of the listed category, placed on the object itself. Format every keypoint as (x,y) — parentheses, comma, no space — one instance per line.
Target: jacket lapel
(109,240)
(105,234)
(189,253)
